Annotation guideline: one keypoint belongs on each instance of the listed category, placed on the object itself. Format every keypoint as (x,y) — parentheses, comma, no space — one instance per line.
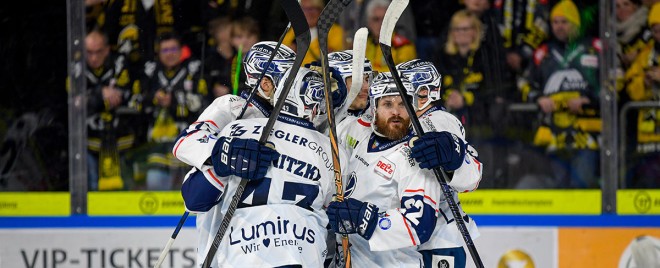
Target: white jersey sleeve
(467,177)
(195,145)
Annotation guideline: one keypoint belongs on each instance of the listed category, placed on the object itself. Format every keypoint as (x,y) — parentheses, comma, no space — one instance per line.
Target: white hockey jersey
(195,144)
(383,173)
(280,219)
(464,179)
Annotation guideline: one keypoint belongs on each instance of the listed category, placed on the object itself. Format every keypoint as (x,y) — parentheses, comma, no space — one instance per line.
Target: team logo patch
(385,168)
(204,139)
(384,223)
(350,185)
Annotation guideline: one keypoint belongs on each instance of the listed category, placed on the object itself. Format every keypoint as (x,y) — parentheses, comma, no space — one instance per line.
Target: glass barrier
(527,91)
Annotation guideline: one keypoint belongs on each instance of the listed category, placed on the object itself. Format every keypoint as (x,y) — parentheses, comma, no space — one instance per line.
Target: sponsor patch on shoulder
(385,168)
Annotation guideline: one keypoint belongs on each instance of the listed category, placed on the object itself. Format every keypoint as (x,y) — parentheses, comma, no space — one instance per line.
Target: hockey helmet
(306,96)
(342,61)
(423,76)
(384,85)
(256,59)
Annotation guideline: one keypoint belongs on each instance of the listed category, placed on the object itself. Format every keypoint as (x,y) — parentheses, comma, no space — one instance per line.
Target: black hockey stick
(387,29)
(163,254)
(301,29)
(263,73)
(327,18)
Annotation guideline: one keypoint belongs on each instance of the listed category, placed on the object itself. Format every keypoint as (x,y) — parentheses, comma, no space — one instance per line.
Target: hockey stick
(166,250)
(163,254)
(359,50)
(263,73)
(387,29)
(303,37)
(327,18)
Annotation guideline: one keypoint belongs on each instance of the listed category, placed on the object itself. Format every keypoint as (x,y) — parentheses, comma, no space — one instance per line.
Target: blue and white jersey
(280,219)
(466,178)
(195,144)
(382,172)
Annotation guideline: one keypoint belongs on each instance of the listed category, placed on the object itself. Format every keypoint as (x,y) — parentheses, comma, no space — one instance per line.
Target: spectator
(237,9)
(631,30)
(467,81)
(176,99)
(219,60)
(644,85)
(132,28)
(564,84)
(312,10)
(108,90)
(523,26)
(244,34)
(402,49)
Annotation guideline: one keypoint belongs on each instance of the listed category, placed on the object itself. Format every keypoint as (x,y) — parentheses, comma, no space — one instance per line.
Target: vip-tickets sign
(99,247)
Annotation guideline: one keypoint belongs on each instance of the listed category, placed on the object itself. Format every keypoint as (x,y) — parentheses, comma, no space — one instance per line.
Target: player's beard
(393,132)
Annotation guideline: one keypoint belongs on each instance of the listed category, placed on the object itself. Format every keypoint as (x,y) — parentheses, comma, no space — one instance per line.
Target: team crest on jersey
(385,168)
(204,139)
(350,185)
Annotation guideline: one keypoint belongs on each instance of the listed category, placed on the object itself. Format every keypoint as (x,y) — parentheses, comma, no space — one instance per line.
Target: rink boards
(518,229)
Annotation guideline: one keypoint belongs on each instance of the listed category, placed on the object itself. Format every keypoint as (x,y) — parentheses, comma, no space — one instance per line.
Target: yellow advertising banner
(645,202)
(35,204)
(606,247)
(135,203)
(562,202)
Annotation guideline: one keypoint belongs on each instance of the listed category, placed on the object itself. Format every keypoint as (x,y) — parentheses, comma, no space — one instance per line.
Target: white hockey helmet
(423,75)
(306,96)
(384,85)
(256,59)
(342,61)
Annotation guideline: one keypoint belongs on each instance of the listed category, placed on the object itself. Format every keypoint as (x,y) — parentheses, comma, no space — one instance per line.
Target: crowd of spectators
(153,66)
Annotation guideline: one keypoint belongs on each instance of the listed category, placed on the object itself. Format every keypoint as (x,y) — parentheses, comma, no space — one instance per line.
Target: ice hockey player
(441,128)
(280,219)
(195,145)
(391,203)
(341,65)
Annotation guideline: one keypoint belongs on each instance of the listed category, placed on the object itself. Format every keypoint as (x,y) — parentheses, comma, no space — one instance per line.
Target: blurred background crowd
(522,75)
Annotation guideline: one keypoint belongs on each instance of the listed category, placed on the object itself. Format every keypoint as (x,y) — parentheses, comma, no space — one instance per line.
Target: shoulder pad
(399,40)
(540,53)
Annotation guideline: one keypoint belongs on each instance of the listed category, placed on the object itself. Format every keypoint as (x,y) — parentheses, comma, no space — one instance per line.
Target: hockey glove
(439,149)
(353,216)
(340,92)
(246,158)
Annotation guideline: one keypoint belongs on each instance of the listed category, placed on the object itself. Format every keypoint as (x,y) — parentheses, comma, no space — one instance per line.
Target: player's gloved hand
(246,158)
(340,91)
(439,149)
(353,216)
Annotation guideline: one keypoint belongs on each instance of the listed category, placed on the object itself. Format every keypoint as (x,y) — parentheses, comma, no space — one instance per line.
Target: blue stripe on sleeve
(198,193)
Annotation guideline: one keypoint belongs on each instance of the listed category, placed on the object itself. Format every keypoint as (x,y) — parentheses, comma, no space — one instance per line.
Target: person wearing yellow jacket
(402,48)
(312,10)
(643,84)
